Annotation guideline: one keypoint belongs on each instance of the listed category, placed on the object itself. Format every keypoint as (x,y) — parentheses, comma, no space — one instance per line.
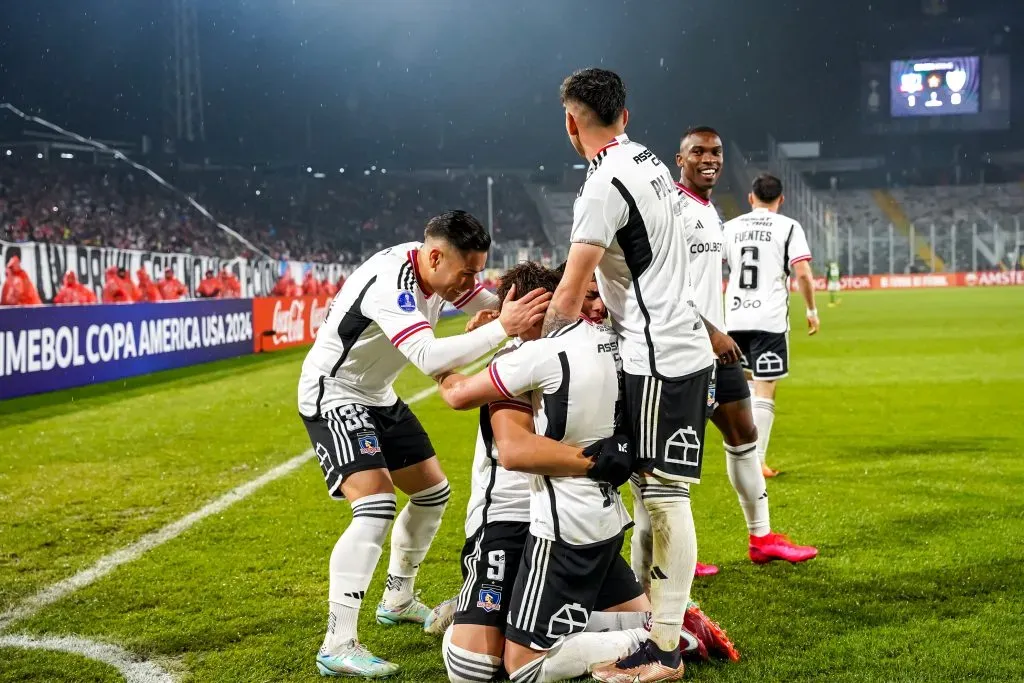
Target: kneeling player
(367,440)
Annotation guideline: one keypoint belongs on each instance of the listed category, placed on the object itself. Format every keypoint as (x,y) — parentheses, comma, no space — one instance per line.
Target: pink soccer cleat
(705,570)
(709,633)
(764,549)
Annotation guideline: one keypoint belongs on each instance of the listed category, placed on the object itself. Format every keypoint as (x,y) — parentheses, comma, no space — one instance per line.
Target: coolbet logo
(289,325)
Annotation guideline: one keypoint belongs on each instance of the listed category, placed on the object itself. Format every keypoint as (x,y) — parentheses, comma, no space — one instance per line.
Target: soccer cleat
(649,664)
(709,633)
(355,661)
(768,472)
(764,549)
(441,617)
(705,570)
(691,647)
(415,612)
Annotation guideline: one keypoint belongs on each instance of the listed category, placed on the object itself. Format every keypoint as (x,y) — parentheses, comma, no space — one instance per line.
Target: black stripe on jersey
(636,248)
(785,251)
(487,434)
(556,404)
(568,328)
(554,508)
(403,275)
(351,327)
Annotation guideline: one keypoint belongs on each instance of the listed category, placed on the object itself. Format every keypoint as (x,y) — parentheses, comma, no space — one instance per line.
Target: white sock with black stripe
(602,622)
(578,654)
(764,415)
(465,666)
(414,531)
(353,560)
(640,550)
(674,557)
(746,478)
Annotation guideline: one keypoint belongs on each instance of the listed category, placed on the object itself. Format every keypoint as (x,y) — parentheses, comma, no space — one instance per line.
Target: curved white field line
(131,667)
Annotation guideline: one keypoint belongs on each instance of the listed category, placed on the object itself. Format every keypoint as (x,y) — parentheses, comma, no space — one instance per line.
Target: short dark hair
(698,130)
(527,276)
(767,188)
(600,90)
(460,229)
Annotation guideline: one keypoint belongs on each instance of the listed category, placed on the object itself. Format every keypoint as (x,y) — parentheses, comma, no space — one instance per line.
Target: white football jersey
(496,495)
(703,230)
(378,321)
(630,206)
(760,247)
(573,403)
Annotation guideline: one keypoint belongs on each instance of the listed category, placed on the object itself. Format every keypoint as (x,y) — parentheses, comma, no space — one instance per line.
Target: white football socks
(414,531)
(674,557)
(465,666)
(640,549)
(353,560)
(746,478)
(601,622)
(578,654)
(764,415)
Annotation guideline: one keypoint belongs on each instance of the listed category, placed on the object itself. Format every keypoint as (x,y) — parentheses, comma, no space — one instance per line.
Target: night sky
(436,82)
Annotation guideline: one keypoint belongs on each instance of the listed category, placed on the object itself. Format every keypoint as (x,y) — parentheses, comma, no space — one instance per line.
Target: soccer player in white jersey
(700,160)
(627,226)
(763,247)
(367,440)
(498,524)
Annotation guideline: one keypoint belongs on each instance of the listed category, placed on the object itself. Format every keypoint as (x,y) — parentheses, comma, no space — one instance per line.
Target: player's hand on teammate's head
(519,315)
(813,325)
(481,318)
(612,460)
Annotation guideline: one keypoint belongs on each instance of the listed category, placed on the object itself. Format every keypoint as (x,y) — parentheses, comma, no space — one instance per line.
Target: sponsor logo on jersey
(368,445)
(489,598)
(406,301)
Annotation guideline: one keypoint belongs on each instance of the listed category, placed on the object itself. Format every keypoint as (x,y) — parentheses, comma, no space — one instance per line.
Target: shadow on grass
(27,409)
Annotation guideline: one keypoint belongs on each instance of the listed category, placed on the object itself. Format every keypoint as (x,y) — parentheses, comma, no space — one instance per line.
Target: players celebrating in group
(569,411)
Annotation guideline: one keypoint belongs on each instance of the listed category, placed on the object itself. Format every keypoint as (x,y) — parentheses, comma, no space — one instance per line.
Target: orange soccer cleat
(709,633)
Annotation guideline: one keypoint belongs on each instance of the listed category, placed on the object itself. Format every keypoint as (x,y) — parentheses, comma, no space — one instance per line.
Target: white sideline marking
(108,563)
(133,670)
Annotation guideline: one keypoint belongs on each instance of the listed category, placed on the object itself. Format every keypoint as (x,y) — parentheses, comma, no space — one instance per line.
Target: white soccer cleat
(415,612)
(354,661)
(441,617)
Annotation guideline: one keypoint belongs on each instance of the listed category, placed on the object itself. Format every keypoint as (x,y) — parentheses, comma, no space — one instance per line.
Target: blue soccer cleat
(354,661)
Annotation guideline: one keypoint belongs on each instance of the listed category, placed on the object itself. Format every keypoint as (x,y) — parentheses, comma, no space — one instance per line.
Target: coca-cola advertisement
(283,322)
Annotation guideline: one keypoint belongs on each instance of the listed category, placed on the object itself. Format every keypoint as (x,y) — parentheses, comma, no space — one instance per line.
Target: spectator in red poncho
(209,286)
(129,285)
(18,288)
(230,287)
(327,288)
(286,286)
(74,292)
(170,287)
(148,291)
(115,289)
(310,285)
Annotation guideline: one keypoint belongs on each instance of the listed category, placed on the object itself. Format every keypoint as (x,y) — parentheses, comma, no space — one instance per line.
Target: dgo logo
(289,324)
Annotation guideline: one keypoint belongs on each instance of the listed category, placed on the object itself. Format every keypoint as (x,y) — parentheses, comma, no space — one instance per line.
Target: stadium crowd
(289,215)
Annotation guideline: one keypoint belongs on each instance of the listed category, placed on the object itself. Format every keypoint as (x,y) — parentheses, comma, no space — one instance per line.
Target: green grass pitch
(900,432)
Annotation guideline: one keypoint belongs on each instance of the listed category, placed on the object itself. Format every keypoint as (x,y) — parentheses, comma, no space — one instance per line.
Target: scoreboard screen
(935,87)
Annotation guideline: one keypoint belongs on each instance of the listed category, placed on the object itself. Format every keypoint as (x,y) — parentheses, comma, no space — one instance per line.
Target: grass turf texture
(899,433)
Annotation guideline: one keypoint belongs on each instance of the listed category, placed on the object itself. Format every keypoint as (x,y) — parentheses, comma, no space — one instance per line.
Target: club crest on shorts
(406,301)
(489,599)
(711,395)
(368,445)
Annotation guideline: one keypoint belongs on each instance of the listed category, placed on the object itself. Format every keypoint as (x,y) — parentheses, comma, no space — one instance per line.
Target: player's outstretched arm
(805,283)
(465,393)
(521,450)
(567,301)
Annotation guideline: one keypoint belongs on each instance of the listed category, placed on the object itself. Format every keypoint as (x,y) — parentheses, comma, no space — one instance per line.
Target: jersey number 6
(748,267)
